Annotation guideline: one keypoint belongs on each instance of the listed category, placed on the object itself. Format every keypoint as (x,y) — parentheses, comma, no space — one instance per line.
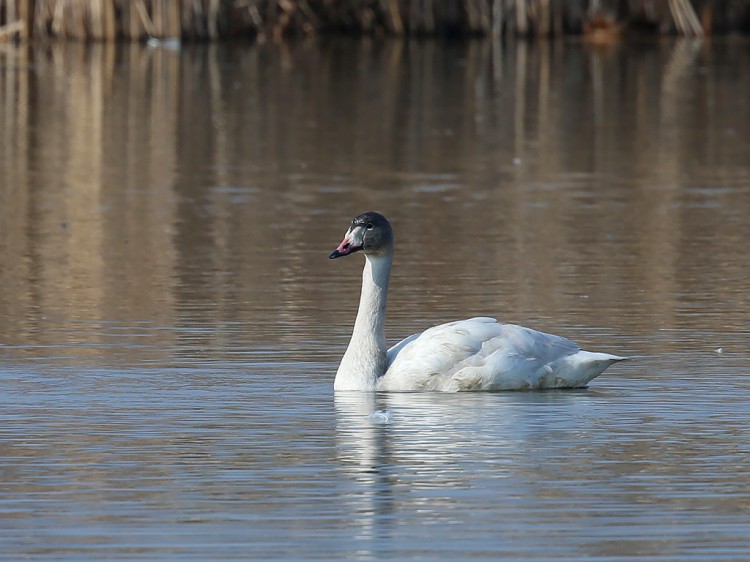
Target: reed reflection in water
(171,325)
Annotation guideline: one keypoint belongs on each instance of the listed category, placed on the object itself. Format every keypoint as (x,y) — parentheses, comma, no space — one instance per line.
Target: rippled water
(170,324)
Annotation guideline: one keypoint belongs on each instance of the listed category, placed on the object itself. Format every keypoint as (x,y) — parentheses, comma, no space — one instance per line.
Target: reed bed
(137,20)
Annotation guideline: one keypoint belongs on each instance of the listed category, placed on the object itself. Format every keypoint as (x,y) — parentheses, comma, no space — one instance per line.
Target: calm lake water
(170,324)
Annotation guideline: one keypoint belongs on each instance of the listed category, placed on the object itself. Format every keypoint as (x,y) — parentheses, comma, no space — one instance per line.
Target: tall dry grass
(135,20)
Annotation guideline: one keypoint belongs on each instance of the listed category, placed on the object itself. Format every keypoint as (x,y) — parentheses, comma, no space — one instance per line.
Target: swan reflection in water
(437,457)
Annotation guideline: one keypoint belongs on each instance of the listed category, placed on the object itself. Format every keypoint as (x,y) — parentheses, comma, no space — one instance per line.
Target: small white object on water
(720,350)
(171,43)
(381,416)
(517,161)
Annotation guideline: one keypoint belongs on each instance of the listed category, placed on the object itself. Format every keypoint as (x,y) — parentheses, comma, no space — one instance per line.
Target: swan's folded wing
(474,354)
(422,361)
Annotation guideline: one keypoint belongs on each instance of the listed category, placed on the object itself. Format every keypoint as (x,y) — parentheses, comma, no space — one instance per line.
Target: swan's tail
(607,358)
(578,369)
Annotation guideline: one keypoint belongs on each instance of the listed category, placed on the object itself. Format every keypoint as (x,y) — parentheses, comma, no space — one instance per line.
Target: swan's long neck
(365,358)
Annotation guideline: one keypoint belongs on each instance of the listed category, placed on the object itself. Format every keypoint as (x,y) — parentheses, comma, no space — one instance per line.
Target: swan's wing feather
(394,350)
(422,360)
(478,353)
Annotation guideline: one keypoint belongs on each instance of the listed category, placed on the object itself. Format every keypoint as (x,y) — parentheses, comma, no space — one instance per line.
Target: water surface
(171,325)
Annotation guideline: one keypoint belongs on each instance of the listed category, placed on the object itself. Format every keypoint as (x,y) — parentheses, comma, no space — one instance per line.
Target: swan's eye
(369,226)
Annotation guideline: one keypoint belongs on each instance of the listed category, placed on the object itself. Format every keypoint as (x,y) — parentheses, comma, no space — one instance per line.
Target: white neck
(365,358)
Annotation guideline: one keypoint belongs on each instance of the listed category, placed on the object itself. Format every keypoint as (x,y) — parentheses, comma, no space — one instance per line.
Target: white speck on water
(381,416)
(720,350)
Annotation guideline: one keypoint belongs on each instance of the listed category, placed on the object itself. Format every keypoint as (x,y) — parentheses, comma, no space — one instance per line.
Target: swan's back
(483,354)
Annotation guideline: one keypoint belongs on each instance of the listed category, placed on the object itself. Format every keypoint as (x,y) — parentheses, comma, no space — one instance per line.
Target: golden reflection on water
(554,182)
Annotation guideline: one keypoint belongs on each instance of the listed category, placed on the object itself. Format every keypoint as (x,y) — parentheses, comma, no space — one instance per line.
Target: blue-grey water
(170,324)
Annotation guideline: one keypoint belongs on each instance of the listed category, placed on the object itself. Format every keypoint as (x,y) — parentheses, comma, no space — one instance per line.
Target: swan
(467,355)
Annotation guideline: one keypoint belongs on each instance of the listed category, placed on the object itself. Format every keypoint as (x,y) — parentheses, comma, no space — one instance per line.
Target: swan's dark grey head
(370,232)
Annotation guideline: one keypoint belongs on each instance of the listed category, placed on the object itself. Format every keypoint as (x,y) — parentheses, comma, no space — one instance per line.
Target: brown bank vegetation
(138,20)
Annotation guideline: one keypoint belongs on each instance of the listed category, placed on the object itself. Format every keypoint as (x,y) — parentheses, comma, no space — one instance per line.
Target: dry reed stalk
(157,17)
(10,11)
(393,17)
(685,19)
(78,21)
(558,25)
(472,16)
(165,17)
(522,22)
(213,19)
(36,21)
(26,15)
(413,15)
(56,19)
(131,27)
(484,17)
(194,19)
(543,20)
(14,25)
(428,14)
(174,26)
(145,19)
(707,19)
(497,18)
(101,16)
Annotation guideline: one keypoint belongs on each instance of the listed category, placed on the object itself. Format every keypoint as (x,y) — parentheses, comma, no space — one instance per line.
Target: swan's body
(474,354)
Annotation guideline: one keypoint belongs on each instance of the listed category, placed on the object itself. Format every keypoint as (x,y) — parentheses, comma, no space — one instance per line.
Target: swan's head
(370,232)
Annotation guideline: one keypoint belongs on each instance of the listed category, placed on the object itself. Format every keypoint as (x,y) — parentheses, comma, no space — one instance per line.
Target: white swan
(475,354)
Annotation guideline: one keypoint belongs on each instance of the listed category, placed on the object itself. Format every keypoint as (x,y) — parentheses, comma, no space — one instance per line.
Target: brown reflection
(549,182)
